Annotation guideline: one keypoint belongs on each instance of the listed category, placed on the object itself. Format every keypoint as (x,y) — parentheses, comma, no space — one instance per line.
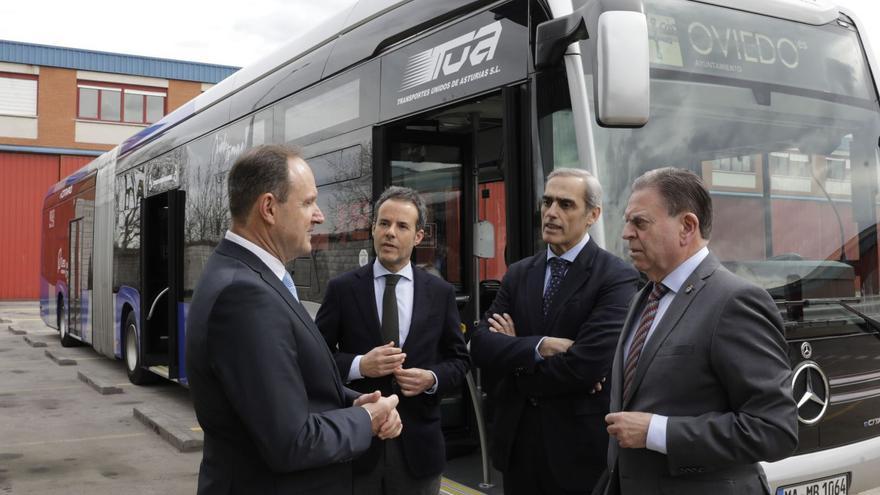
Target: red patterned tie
(638,343)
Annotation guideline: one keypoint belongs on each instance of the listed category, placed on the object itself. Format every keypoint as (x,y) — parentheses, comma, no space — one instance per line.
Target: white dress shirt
(656,440)
(569,256)
(274,264)
(404,292)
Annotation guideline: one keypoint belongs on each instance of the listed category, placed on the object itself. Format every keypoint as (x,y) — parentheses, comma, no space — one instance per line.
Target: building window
(116,103)
(18,95)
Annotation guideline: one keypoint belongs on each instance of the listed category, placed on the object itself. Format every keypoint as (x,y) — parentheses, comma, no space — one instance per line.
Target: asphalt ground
(71,423)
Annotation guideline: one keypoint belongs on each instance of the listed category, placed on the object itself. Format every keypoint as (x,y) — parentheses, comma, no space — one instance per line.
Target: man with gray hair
(549,337)
(701,384)
(395,328)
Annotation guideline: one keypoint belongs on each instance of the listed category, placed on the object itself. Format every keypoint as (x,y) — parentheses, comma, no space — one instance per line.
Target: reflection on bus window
(435,171)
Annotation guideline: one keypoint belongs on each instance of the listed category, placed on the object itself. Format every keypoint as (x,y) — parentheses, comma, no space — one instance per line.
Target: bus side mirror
(553,37)
(623,89)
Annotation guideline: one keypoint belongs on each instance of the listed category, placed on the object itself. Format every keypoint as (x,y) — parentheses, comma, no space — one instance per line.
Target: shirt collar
(674,280)
(572,253)
(274,264)
(380,271)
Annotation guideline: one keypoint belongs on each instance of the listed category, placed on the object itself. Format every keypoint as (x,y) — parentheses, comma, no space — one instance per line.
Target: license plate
(832,485)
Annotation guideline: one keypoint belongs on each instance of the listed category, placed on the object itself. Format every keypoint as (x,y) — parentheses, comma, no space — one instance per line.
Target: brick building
(60,108)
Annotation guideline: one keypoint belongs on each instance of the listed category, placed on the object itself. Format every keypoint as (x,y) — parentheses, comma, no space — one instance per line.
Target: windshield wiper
(872,325)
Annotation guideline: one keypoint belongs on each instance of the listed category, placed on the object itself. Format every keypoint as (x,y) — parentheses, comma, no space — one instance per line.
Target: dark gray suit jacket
(716,365)
(265,387)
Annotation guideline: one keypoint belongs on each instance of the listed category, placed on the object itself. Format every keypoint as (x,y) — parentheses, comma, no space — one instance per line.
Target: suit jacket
(349,321)
(589,309)
(716,365)
(264,386)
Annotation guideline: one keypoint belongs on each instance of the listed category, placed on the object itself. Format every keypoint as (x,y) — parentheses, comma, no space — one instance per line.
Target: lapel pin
(688,289)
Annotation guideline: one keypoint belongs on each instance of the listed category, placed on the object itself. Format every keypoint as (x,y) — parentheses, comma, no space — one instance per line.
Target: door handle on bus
(153,307)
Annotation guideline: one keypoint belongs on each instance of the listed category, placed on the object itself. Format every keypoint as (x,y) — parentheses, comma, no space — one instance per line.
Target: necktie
(558,267)
(641,335)
(390,325)
(288,282)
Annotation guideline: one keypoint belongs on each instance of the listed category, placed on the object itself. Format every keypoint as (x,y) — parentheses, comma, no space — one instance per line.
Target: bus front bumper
(861,460)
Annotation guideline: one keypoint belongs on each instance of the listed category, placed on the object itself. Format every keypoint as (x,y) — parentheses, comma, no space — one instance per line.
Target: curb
(60,360)
(99,386)
(15,331)
(34,343)
(166,427)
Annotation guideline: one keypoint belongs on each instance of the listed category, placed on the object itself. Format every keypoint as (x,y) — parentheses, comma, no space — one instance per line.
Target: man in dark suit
(701,382)
(276,417)
(396,327)
(549,336)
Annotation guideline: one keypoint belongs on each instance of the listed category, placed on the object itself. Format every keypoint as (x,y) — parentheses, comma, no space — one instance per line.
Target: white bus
(773,102)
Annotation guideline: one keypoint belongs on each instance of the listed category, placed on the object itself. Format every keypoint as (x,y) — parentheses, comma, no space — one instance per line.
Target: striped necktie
(638,343)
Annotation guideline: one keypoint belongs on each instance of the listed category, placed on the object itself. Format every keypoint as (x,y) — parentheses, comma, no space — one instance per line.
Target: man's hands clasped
(384,418)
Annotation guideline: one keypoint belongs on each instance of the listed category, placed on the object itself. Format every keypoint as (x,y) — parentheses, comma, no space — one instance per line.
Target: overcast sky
(227,32)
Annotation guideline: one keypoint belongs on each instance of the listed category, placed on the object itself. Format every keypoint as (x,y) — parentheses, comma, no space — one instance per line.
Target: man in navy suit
(549,336)
(276,417)
(396,328)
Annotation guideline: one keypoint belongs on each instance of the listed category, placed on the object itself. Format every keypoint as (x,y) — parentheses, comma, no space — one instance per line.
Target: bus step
(160,370)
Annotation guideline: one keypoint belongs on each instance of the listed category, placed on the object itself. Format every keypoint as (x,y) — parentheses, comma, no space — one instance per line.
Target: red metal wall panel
(70,164)
(24,180)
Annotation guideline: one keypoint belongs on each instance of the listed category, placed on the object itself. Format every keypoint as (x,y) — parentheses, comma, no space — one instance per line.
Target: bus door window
(74,288)
(435,170)
(455,157)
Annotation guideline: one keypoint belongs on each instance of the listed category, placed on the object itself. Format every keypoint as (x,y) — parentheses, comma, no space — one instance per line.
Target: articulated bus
(473,102)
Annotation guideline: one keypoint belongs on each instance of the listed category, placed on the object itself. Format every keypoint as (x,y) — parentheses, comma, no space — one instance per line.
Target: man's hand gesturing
(381,361)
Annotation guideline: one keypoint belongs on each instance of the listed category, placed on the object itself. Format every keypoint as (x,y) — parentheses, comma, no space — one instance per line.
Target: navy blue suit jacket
(265,388)
(589,308)
(349,320)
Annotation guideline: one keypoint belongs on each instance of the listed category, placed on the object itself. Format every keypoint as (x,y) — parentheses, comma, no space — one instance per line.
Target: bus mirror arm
(553,37)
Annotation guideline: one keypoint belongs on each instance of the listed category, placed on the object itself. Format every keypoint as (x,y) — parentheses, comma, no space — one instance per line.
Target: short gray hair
(399,193)
(593,191)
(681,190)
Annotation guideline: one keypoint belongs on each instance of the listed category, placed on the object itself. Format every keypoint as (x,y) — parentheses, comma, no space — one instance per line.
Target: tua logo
(872,422)
(475,47)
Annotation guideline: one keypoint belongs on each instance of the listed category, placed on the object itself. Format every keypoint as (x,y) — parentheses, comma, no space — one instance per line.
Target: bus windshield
(781,121)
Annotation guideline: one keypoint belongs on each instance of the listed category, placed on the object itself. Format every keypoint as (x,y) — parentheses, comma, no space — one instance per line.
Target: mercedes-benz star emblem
(810,388)
(806,350)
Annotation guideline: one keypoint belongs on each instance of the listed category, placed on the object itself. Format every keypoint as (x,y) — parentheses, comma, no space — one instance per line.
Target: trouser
(391,476)
(529,470)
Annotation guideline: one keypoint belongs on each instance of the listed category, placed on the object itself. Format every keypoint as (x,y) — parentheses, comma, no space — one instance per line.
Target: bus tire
(66,339)
(137,374)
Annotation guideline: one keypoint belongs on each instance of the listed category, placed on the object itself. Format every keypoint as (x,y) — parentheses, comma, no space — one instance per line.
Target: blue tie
(558,267)
(288,282)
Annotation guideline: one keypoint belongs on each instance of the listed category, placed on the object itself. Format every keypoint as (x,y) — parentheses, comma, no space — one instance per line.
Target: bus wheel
(131,346)
(66,339)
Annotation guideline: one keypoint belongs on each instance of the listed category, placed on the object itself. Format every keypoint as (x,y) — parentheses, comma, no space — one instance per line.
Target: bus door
(74,280)
(459,158)
(465,160)
(161,281)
